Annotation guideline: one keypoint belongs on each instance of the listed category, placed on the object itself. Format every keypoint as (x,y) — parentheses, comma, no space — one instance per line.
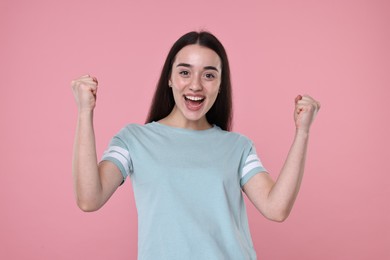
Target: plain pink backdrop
(336,51)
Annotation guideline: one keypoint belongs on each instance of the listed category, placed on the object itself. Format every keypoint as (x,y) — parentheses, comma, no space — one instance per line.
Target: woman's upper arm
(111,178)
(257,190)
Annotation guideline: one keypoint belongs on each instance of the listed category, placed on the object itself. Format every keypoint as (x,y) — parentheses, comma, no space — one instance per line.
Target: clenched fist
(84,91)
(306,109)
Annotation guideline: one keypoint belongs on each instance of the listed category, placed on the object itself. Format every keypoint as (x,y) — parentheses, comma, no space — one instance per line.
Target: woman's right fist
(84,91)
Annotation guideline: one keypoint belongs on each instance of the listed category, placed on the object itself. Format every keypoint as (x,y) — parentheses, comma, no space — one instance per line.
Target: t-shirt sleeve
(251,165)
(119,154)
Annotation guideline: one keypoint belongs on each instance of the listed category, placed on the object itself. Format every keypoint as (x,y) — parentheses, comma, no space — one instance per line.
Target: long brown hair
(163,102)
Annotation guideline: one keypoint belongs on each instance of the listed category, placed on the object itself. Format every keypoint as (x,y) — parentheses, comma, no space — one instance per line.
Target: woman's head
(220,112)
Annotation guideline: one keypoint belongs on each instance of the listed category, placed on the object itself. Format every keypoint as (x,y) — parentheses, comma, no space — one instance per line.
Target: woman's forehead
(197,55)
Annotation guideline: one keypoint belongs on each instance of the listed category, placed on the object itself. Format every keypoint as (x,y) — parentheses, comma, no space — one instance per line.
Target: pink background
(337,51)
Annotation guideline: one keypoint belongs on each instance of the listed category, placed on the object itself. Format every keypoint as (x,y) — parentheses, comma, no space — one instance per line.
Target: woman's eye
(210,76)
(184,73)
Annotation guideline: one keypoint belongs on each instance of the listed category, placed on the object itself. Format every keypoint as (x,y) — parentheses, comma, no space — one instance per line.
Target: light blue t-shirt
(187,189)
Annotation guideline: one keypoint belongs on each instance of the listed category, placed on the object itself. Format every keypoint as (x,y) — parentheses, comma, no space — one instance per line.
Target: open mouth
(194,102)
(194,99)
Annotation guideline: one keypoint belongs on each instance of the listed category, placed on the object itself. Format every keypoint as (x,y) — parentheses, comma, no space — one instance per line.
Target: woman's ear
(170,83)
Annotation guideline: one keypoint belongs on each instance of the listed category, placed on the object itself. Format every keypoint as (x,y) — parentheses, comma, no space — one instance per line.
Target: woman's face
(195,82)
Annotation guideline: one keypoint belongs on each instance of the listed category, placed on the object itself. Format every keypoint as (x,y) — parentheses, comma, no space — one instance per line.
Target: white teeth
(194,98)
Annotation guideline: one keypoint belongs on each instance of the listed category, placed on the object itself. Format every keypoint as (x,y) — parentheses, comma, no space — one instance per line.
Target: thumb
(299,97)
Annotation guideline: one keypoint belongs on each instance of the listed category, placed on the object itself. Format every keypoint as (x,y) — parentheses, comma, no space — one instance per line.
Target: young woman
(187,169)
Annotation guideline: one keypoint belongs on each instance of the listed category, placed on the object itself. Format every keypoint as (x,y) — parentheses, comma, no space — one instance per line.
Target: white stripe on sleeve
(120,154)
(118,149)
(247,168)
(252,157)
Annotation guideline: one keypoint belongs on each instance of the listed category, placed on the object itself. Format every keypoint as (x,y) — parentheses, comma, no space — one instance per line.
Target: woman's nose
(196,84)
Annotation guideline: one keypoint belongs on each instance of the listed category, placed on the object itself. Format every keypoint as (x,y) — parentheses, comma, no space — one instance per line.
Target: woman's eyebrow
(189,66)
(211,68)
(184,65)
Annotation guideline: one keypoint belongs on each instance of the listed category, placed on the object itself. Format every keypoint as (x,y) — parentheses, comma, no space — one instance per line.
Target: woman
(188,170)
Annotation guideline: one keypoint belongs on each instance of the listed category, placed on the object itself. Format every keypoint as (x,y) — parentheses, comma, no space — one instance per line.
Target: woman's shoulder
(132,129)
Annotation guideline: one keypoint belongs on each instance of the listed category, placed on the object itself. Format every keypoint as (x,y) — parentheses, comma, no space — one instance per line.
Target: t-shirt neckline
(184,130)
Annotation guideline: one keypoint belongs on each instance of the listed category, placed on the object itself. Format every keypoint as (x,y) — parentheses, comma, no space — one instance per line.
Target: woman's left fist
(306,109)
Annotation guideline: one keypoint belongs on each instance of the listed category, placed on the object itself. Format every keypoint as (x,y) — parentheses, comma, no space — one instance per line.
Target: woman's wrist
(85,116)
(85,113)
(302,132)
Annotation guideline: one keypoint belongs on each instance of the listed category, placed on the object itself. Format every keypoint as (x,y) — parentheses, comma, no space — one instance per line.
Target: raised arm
(94,184)
(276,199)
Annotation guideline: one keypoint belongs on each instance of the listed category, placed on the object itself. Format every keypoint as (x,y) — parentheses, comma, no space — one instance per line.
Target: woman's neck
(176,120)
